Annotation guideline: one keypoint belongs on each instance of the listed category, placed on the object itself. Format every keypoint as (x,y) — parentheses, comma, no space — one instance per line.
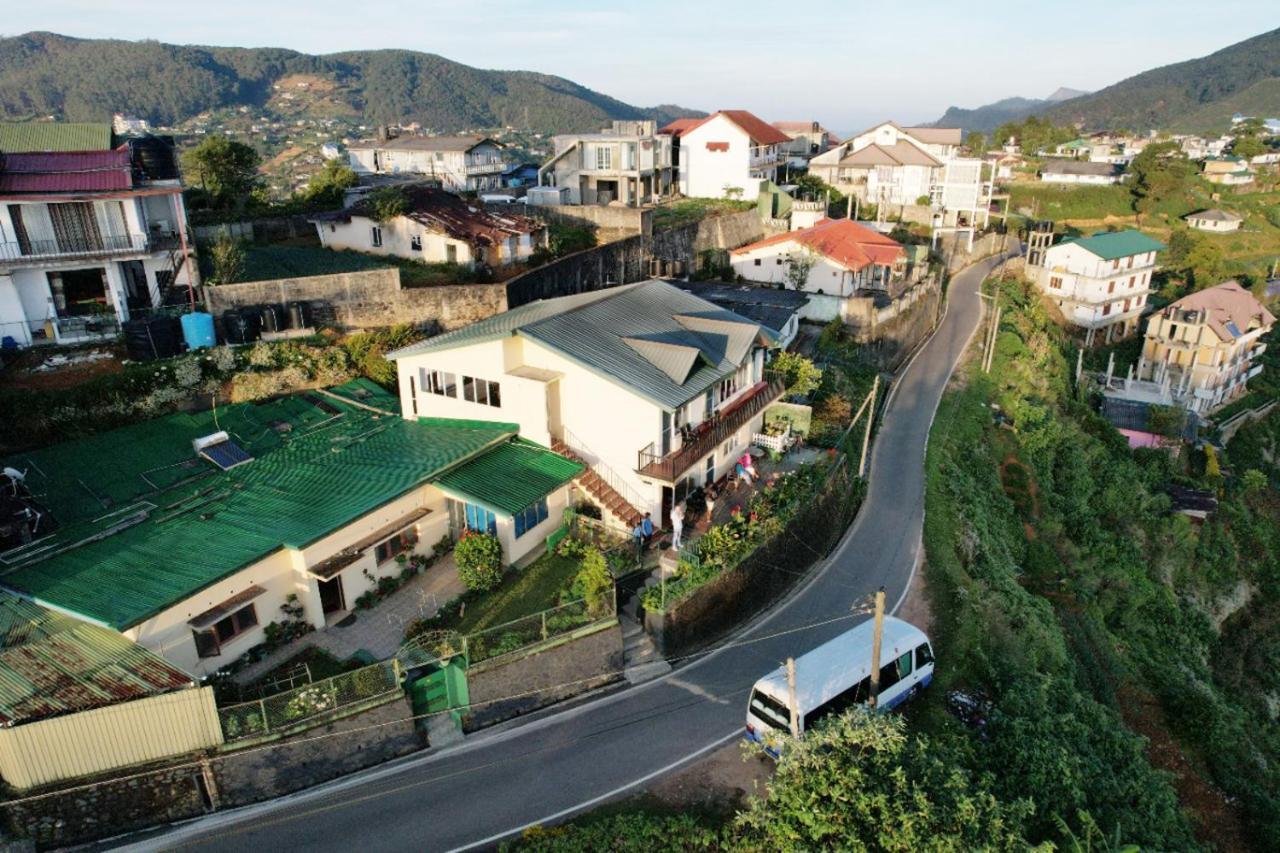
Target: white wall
(705,174)
(13,316)
(397,240)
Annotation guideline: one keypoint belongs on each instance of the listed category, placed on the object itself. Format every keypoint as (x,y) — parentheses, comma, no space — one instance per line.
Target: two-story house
(88,239)
(628,162)
(657,390)
(1227,171)
(902,166)
(1202,347)
(436,227)
(1100,282)
(807,139)
(728,154)
(458,163)
(841,259)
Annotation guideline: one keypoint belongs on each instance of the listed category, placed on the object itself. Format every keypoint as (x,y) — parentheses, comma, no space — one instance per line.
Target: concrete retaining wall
(281,229)
(367,299)
(609,223)
(563,670)
(892,332)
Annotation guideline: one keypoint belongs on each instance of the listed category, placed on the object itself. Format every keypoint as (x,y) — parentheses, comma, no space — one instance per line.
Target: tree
(327,187)
(1204,264)
(593,582)
(386,203)
(226,169)
(976,143)
(479,559)
(1248,147)
(1181,242)
(801,374)
(228,257)
(798,267)
(1159,173)
(860,781)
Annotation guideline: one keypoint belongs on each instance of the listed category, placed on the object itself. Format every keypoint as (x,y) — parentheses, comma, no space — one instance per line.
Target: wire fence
(288,709)
(513,636)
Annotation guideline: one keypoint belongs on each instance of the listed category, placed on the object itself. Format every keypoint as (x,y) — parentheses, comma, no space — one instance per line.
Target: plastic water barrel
(197,330)
(297,315)
(272,318)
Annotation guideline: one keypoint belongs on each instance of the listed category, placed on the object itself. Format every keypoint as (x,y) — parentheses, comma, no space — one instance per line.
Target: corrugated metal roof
(66,182)
(1110,245)
(52,664)
(54,136)
(510,477)
(591,329)
(192,524)
(63,171)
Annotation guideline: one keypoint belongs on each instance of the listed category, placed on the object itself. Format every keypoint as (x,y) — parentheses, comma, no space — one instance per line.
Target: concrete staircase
(641,659)
(604,494)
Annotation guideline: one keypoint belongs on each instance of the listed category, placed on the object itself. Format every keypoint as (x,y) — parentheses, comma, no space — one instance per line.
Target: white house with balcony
(728,154)
(88,239)
(628,162)
(657,390)
(1100,282)
(436,227)
(907,166)
(457,163)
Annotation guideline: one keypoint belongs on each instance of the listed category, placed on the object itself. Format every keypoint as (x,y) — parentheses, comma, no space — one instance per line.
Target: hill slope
(988,117)
(88,79)
(1185,95)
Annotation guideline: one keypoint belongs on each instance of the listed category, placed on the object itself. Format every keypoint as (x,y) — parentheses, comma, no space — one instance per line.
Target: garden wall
(366,299)
(954,248)
(73,815)
(892,332)
(729,600)
(609,223)
(276,229)
(562,669)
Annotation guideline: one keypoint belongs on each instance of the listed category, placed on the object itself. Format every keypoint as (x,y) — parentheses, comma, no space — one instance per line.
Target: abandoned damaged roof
(445,212)
(145,523)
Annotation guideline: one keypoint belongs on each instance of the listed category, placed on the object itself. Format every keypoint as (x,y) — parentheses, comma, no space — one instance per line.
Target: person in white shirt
(677,524)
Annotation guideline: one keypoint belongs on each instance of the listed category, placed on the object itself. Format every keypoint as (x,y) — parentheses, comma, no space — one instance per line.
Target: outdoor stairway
(641,659)
(596,486)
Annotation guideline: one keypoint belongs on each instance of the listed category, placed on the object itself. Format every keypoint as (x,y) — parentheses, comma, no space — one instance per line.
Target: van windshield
(772,712)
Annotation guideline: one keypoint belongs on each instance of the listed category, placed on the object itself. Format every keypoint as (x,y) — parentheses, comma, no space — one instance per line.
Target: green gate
(442,687)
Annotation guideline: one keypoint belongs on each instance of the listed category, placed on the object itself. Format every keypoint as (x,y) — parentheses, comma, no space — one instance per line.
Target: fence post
(262,704)
(544,624)
(333,687)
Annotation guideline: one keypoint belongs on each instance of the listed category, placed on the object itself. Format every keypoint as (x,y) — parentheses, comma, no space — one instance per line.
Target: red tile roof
(848,243)
(680,125)
(760,131)
(66,171)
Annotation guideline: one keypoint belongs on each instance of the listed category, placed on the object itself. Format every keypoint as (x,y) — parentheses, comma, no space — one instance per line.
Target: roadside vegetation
(686,211)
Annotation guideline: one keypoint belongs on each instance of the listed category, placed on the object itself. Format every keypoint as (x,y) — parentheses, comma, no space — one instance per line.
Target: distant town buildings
(456,163)
(1080,172)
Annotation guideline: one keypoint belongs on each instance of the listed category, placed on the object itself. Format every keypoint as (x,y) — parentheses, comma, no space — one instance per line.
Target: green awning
(510,477)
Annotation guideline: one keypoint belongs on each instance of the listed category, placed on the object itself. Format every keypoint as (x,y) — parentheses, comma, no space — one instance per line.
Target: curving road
(502,781)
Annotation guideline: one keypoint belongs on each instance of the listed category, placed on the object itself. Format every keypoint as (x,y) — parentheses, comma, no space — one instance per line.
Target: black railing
(83,246)
(704,437)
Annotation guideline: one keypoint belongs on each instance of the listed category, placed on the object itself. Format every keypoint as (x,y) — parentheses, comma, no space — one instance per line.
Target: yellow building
(1201,348)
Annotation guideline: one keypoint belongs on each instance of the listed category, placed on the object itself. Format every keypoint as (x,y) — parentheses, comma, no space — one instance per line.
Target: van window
(770,710)
(894,671)
(858,694)
(924,655)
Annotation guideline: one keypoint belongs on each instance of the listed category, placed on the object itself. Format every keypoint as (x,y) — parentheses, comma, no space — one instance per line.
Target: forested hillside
(45,74)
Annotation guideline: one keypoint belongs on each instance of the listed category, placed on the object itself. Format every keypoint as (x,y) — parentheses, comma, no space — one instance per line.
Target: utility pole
(876,637)
(866,433)
(991,347)
(792,704)
(848,207)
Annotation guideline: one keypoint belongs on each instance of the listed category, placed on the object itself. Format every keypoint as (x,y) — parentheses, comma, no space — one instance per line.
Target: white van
(836,676)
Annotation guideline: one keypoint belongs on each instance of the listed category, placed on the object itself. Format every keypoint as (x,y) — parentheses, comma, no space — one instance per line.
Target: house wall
(1089,284)
(109,738)
(397,236)
(1214,370)
(1217,225)
(705,173)
(1059,178)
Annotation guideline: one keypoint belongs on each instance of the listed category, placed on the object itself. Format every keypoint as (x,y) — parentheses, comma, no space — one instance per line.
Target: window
(1111,287)
(894,671)
(376,236)
(1106,309)
(451,253)
(924,655)
(480,519)
(604,157)
(530,517)
(440,383)
(1115,265)
(775,714)
(481,391)
(209,641)
(1131,262)
(396,545)
(1055,282)
(468,389)
(413,395)
(1133,279)
(757,261)
(858,694)
(778,261)
(495,399)
(415,242)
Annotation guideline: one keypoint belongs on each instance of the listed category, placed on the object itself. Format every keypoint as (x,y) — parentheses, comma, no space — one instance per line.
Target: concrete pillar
(116,290)
(309,598)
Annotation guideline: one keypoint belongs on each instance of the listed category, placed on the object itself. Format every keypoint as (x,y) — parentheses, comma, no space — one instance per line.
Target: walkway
(501,781)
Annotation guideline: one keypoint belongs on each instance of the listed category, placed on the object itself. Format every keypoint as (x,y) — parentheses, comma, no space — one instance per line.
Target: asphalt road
(498,783)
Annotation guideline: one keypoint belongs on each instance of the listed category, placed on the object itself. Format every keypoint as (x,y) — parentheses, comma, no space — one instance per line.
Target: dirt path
(719,782)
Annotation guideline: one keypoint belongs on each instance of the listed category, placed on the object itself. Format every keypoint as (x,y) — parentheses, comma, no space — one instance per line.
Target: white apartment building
(458,163)
(88,239)
(1100,282)
(728,154)
(628,162)
(903,166)
(657,390)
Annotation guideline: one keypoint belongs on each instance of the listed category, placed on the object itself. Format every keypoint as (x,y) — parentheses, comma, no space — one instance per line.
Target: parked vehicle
(836,676)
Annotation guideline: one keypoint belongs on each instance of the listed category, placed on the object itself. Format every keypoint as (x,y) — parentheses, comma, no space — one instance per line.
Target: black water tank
(298,315)
(157,337)
(272,318)
(241,326)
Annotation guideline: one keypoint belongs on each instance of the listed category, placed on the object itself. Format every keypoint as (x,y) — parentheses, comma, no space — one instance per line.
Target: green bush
(479,558)
(593,582)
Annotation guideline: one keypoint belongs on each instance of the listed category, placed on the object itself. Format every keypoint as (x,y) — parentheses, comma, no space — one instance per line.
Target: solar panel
(226,455)
(1233,329)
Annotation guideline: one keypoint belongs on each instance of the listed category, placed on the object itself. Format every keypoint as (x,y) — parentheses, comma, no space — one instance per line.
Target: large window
(481,391)
(210,640)
(480,519)
(441,383)
(604,157)
(530,517)
(395,546)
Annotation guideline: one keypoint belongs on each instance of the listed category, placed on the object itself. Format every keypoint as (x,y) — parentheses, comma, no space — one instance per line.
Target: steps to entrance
(642,662)
(595,485)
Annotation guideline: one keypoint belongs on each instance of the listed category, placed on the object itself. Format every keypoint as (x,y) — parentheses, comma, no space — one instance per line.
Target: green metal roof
(52,664)
(145,524)
(1110,245)
(30,136)
(510,477)
(599,330)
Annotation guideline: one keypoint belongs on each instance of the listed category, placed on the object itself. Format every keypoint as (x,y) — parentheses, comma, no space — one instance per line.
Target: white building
(1080,172)
(1100,282)
(906,166)
(458,163)
(808,139)
(658,390)
(437,227)
(728,154)
(629,162)
(88,239)
(842,259)
(1214,220)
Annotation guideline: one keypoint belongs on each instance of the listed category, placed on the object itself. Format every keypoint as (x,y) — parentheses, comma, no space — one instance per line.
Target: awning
(226,608)
(326,569)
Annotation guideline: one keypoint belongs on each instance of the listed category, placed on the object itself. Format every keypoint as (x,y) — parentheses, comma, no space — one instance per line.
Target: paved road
(498,783)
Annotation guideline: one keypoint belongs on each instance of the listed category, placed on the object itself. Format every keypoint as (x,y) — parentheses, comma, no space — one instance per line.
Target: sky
(847,64)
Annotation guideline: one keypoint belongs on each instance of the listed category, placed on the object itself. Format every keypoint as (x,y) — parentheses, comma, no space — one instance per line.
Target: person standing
(647,525)
(677,524)
(711,503)
(637,535)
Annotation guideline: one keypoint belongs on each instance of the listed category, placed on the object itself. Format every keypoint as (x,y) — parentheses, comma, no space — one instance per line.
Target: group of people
(643,532)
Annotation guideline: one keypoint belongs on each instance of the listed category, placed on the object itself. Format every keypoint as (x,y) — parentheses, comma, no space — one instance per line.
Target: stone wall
(954,247)
(687,243)
(101,807)
(891,333)
(367,299)
(280,229)
(619,262)
(508,689)
(609,223)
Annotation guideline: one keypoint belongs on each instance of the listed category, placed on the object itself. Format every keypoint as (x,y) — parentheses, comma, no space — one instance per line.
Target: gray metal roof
(640,335)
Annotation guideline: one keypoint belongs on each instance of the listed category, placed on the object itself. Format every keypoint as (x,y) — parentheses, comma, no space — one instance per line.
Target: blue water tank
(197,330)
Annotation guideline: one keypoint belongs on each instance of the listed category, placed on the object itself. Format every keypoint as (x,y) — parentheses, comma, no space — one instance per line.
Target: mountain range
(1196,96)
(45,74)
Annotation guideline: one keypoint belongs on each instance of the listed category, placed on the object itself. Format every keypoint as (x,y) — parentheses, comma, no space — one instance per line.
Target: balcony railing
(709,434)
(122,244)
(486,168)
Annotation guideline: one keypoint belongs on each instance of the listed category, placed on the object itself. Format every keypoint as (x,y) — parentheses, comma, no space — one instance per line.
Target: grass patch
(319,663)
(689,210)
(522,593)
(1082,202)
